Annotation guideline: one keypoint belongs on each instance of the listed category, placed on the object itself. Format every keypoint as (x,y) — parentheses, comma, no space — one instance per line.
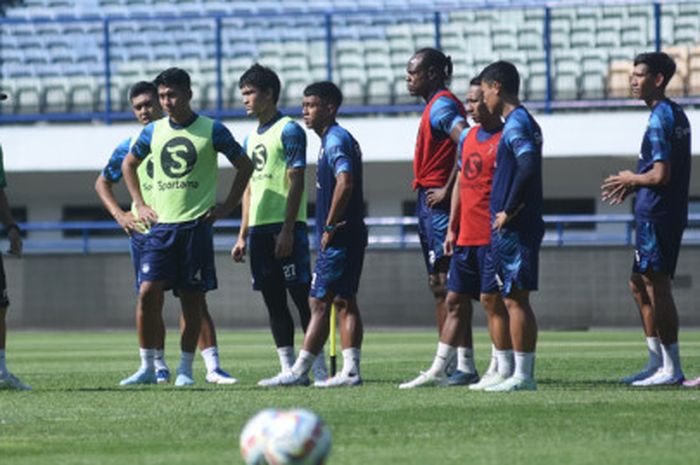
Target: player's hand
(617,187)
(238,251)
(215,213)
(449,245)
(15,239)
(127,221)
(436,196)
(284,243)
(147,215)
(327,236)
(499,221)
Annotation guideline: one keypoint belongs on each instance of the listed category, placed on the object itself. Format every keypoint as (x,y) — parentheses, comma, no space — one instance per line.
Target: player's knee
(437,286)
(490,302)
(453,303)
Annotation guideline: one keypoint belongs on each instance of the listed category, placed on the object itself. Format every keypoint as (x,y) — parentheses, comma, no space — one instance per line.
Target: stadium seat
(618,85)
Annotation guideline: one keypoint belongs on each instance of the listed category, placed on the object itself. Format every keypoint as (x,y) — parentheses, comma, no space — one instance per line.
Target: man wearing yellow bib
(274,214)
(143,97)
(178,251)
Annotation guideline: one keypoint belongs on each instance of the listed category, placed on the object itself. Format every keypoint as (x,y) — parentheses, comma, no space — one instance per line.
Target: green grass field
(78,415)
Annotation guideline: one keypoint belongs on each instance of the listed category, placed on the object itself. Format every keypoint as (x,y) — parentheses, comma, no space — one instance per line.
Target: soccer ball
(298,437)
(255,435)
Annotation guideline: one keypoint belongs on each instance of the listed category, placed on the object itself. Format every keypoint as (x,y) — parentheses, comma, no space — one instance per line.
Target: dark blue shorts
(338,271)
(471,271)
(270,271)
(181,254)
(136,243)
(516,259)
(432,229)
(657,246)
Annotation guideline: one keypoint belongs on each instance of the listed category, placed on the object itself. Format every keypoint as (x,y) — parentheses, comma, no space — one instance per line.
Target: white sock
(303,363)
(3,367)
(524,365)
(148,358)
(465,360)
(211,358)
(671,358)
(351,361)
(654,347)
(505,362)
(186,359)
(493,365)
(443,355)
(159,360)
(286,355)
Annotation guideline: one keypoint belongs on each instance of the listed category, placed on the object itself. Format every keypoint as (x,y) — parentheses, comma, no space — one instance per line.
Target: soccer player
(274,214)
(661,214)
(342,238)
(516,215)
(178,252)
(7,379)
(434,165)
(143,97)
(471,271)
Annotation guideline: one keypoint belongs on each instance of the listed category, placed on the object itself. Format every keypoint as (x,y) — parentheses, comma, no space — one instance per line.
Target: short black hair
(142,87)
(326,91)
(174,77)
(657,63)
(503,72)
(263,78)
(476,81)
(433,57)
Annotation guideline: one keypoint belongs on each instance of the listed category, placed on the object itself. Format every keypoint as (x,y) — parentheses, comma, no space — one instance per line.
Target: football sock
(351,361)
(3,367)
(444,353)
(186,359)
(654,347)
(303,363)
(211,358)
(493,365)
(671,358)
(147,358)
(505,362)
(286,355)
(524,365)
(465,360)
(159,360)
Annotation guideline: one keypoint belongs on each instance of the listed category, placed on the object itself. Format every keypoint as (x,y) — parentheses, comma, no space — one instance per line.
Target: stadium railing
(389,233)
(108,111)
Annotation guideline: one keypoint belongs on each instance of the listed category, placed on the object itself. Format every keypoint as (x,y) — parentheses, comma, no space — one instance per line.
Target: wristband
(329,228)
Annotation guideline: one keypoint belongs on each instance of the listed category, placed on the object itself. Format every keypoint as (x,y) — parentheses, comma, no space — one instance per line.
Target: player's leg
(501,365)
(646,312)
(300,297)
(209,348)
(191,301)
(162,370)
(7,379)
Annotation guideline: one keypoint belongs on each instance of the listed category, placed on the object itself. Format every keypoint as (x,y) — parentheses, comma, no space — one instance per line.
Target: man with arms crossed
(516,215)
(274,214)
(143,97)
(661,214)
(7,379)
(178,251)
(342,238)
(468,237)
(434,164)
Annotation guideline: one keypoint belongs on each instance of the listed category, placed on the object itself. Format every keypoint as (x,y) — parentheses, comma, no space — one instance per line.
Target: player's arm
(455,202)
(446,117)
(294,142)
(13,233)
(139,151)
(341,197)
(225,143)
(238,250)
(103,186)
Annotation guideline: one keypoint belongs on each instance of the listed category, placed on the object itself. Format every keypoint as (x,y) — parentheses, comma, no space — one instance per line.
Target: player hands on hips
(661,184)
(341,235)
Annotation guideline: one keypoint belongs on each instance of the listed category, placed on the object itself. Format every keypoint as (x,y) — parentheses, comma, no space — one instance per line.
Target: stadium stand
(53,59)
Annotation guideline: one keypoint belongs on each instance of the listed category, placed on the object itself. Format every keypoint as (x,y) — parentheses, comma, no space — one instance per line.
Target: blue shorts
(181,254)
(338,271)
(656,247)
(136,243)
(516,259)
(432,229)
(471,271)
(270,271)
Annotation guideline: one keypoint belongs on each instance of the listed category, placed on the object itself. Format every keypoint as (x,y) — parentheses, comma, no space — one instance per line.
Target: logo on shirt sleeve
(178,157)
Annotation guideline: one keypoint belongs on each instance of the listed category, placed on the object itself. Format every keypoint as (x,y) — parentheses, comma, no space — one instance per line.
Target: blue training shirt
(113,171)
(222,140)
(517,181)
(667,139)
(444,116)
(340,153)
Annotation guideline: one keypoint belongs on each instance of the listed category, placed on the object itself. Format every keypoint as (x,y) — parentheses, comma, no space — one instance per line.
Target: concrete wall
(579,288)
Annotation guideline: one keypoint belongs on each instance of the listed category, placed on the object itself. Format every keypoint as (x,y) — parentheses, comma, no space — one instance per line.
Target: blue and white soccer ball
(255,435)
(298,437)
